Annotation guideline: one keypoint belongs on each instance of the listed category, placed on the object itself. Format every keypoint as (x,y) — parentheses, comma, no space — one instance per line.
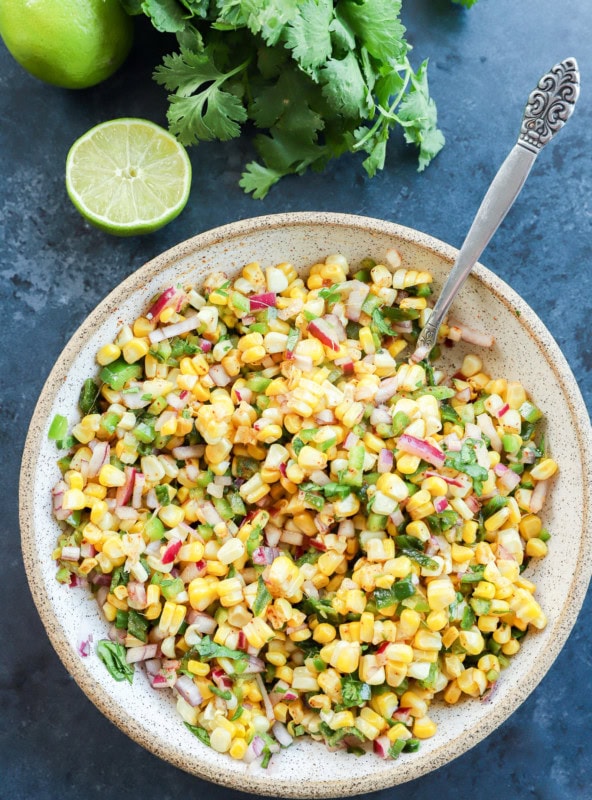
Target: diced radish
(325,333)
(337,326)
(100,456)
(387,388)
(440,504)
(124,493)
(161,303)
(472,336)
(260,302)
(176,329)
(188,691)
(381,746)
(171,551)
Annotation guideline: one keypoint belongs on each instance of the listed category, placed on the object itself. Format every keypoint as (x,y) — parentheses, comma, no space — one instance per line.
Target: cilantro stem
(384,114)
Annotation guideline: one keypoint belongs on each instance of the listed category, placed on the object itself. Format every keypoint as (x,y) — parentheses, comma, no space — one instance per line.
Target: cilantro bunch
(316,78)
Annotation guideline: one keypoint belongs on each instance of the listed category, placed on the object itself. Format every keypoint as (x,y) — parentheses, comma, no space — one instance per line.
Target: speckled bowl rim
(401,772)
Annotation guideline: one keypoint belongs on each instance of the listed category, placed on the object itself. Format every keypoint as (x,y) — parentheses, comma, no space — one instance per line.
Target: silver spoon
(548,108)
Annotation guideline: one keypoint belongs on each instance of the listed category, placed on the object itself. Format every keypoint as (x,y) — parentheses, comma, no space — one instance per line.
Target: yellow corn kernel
(417,707)
(346,656)
(220,739)
(485,590)
(441,593)
(95,490)
(109,611)
(191,552)
(392,486)
(469,532)
(111,476)
(536,548)
(73,500)
(437,487)
(471,641)
(238,748)
(366,341)
(324,633)
(424,727)
(495,521)
(487,623)
(171,515)
(530,526)
(134,350)
(544,469)
(172,617)
(452,693)
(407,464)
(511,647)
(107,354)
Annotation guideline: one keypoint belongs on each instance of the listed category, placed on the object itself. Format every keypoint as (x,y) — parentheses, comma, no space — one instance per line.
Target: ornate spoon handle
(548,108)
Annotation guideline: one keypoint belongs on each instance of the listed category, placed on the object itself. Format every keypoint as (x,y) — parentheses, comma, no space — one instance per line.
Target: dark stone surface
(55,269)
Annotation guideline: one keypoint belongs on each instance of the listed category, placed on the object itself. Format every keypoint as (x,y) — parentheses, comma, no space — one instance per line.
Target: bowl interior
(523,351)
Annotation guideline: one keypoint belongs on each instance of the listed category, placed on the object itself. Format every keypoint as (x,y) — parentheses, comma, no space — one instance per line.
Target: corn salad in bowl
(289,525)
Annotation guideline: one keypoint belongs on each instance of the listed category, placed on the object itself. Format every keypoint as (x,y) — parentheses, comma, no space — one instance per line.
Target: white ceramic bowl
(524,350)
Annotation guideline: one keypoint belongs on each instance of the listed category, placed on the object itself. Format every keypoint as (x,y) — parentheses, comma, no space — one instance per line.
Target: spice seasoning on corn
(290,526)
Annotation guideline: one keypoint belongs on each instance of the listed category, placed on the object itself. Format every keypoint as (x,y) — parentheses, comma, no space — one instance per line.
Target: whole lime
(69,43)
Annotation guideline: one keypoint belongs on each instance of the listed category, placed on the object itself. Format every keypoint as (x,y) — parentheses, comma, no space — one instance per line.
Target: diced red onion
(188,691)
(464,395)
(311,590)
(346,364)
(272,534)
(446,478)
(153,666)
(210,514)
(303,363)
(101,595)
(136,592)
(204,623)
(265,555)
(280,732)
(223,480)
(124,493)
(402,715)
(84,646)
(205,345)
(87,550)
(351,440)
(473,503)
(178,401)
(440,504)
(385,460)
(244,394)
(100,456)
(135,654)
(381,414)
(346,528)
(320,478)
(381,746)
(220,678)
(176,329)
(193,570)
(397,517)
(539,493)
(402,326)
(418,447)
(472,336)
(184,452)
(254,750)
(101,580)
(485,423)
(139,483)
(254,665)
(134,400)
(116,634)
(325,417)
(219,375)
(472,431)
(266,703)
(452,443)
(160,304)
(126,512)
(70,553)
(387,388)
(358,292)
(318,545)
(292,537)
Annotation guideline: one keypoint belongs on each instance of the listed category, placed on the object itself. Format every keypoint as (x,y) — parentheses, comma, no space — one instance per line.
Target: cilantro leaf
(308,33)
(259,179)
(466,461)
(262,598)
(354,692)
(417,113)
(200,109)
(344,86)
(381,324)
(166,15)
(208,649)
(112,655)
(201,733)
(376,23)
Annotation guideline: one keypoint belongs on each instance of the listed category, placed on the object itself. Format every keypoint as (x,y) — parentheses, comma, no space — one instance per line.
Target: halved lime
(128,176)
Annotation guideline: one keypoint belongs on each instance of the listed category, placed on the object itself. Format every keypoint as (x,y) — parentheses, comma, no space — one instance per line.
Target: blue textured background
(55,269)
